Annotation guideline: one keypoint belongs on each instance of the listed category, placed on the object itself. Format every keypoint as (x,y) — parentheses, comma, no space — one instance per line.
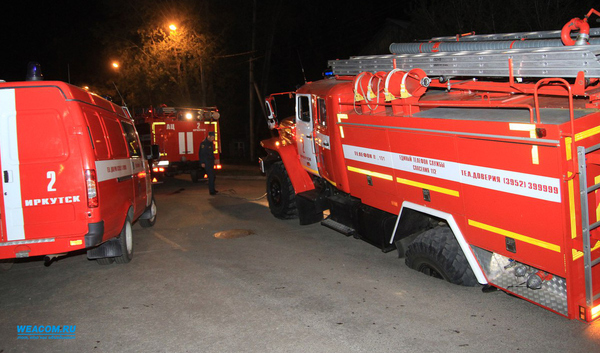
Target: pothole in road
(234,233)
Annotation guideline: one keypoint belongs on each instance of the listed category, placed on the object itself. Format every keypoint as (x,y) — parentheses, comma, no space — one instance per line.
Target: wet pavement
(262,285)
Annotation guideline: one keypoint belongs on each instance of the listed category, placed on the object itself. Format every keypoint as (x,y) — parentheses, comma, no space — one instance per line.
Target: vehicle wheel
(280,193)
(436,253)
(105,261)
(126,242)
(195,173)
(146,223)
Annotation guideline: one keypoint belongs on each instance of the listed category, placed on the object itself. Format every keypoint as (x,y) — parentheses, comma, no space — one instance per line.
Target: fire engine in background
(477,158)
(74,175)
(178,133)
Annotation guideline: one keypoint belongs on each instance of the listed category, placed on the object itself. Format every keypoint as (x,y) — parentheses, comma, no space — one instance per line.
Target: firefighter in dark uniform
(207,161)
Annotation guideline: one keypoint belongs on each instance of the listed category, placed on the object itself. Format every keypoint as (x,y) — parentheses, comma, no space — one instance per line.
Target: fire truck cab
(73,174)
(477,166)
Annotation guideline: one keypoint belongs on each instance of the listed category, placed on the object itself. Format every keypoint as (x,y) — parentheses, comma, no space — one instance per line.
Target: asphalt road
(265,285)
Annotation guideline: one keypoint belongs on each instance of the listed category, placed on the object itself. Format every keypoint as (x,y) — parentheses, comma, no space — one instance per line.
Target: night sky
(72,39)
(57,34)
(66,34)
(66,37)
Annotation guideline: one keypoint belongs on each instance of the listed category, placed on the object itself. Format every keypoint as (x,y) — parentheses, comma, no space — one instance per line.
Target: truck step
(344,229)
(310,204)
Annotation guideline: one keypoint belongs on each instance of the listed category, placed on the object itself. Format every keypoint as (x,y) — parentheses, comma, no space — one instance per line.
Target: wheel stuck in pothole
(234,233)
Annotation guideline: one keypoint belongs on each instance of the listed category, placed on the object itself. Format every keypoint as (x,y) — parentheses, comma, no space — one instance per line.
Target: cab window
(132,141)
(304,108)
(322,112)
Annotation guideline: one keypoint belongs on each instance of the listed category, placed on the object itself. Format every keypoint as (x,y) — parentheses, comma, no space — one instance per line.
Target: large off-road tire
(126,242)
(146,223)
(436,253)
(280,192)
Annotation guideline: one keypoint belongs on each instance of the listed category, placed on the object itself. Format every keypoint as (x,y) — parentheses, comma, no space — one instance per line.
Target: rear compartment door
(186,143)
(11,212)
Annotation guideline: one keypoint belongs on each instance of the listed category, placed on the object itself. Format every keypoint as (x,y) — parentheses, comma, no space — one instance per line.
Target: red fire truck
(178,133)
(476,158)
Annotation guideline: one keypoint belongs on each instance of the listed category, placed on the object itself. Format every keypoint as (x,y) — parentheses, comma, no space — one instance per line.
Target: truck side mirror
(272,114)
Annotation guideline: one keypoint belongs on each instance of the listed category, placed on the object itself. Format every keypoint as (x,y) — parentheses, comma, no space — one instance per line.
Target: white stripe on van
(112,169)
(11,177)
(117,168)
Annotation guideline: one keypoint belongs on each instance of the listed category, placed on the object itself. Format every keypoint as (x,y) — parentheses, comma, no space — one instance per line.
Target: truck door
(304,133)
(138,167)
(322,143)
(12,207)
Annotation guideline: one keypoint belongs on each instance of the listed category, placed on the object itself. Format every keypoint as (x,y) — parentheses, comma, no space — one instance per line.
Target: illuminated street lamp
(172,27)
(115,64)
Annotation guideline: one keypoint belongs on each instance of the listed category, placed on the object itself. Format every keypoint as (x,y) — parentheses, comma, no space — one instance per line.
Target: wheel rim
(275,192)
(430,271)
(153,210)
(129,238)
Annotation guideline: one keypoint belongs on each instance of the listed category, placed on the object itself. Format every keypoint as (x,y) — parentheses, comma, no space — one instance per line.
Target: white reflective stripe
(9,154)
(117,168)
(190,143)
(112,169)
(138,165)
(23,242)
(368,155)
(523,184)
(181,143)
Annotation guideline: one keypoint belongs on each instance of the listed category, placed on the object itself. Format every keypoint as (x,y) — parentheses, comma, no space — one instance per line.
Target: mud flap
(111,248)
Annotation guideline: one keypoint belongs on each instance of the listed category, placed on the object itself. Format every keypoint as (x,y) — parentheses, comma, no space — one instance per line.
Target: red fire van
(74,175)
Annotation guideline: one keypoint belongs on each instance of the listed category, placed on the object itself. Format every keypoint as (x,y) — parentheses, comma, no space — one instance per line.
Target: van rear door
(42,180)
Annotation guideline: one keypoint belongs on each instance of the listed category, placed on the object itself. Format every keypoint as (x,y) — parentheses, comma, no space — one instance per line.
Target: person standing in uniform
(207,160)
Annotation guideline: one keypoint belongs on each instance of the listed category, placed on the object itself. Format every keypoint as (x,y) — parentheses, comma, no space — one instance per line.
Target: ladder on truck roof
(565,62)
(584,192)
(594,32)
